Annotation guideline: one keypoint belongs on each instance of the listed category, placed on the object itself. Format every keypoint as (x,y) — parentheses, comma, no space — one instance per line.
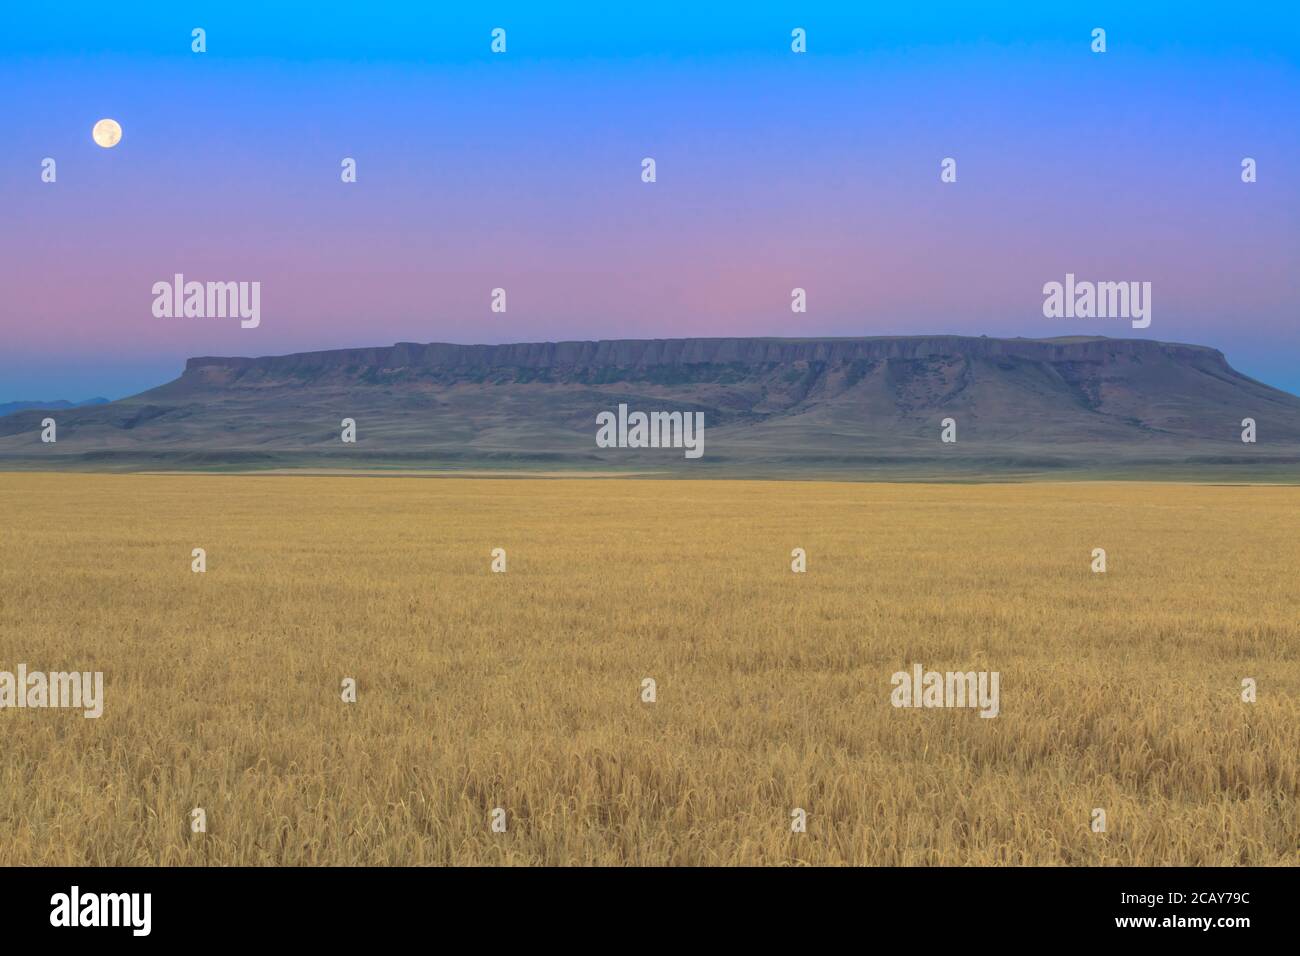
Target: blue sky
(522,171)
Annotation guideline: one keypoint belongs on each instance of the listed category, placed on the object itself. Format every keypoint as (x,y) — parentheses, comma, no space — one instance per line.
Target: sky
(523,171)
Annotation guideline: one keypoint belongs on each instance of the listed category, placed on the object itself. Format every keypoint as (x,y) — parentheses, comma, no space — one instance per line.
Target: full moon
(107,133)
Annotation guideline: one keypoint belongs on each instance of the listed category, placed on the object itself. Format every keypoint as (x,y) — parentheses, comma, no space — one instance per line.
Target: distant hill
(839,407)
(7,408)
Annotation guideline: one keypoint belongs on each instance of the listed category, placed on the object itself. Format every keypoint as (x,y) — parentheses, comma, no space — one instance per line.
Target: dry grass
(480,690)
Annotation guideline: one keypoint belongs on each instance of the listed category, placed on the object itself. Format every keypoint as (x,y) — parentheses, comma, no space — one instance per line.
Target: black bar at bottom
(337,905)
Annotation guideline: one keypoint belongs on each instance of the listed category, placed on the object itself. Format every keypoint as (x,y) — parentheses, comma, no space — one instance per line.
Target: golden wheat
(522,690)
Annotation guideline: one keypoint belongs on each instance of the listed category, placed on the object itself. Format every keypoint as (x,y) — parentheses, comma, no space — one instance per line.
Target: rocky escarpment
(804,406)
(747,352)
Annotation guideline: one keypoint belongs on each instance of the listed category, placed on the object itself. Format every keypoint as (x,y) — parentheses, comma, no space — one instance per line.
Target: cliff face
(750,352)
(839,407)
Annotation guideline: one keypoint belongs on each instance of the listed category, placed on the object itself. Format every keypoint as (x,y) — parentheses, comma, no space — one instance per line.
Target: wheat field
(523,690)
